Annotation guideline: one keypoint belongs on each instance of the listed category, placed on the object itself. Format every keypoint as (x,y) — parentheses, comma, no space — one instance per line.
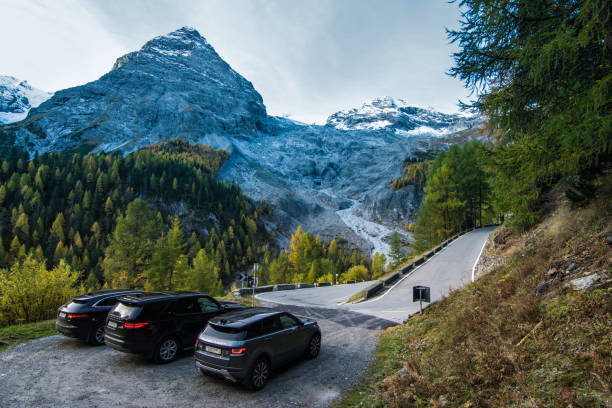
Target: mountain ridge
(328,179)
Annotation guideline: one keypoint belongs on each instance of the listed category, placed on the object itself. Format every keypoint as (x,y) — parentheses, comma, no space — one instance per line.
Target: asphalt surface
(60,372)
(326,296)
(450,269)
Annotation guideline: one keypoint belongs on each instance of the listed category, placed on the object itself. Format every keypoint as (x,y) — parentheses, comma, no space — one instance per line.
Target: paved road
(327,296)
(60,372)
(449,269)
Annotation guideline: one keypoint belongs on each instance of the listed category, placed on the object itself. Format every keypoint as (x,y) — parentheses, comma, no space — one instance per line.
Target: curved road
(450,269)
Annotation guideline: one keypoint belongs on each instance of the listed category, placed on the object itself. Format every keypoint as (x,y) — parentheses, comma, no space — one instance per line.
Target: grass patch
(496,343)
(11,336)
(246,300)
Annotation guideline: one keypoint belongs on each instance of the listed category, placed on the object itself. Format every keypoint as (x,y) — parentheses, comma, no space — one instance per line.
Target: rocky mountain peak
(399,116)
(175,86)
(183,42)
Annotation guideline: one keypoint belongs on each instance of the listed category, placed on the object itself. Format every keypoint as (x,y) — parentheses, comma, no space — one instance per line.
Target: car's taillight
(135,325)
(238,350)
(75,315)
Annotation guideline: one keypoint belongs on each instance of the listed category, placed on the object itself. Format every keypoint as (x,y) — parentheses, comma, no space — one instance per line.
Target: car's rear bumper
(221,372)
(229,373)
(125,346)
(69,330)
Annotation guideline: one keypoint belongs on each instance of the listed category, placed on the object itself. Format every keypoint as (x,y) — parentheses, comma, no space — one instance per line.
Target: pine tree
(130,248)
(542,75)
(395,253)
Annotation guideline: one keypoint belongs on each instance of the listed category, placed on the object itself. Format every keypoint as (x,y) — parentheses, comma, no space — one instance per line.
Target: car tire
(258,374)
(96,337)
(314,346)
(166,350)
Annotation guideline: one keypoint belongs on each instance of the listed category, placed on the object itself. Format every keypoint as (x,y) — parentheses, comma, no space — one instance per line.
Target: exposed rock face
(175,86)
(17,98)
(333,180)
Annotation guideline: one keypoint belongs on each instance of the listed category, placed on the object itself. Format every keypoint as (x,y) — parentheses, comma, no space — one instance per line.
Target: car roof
(149,297)
(98,294)
(243,318)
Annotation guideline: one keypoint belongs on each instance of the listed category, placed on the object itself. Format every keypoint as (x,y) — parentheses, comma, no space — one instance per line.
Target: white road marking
(478,259)
(407,275)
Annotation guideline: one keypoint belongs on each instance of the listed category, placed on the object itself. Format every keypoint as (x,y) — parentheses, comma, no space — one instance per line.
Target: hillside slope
(535,331)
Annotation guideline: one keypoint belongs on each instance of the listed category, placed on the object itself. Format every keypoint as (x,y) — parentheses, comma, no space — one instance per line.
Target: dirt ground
(59,371)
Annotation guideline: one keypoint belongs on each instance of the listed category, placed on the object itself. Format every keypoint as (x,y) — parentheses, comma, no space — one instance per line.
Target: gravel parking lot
(58,371)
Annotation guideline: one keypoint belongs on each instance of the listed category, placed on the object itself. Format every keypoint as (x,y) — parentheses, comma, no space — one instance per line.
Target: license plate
(112,324)
(62,314)
(213,350)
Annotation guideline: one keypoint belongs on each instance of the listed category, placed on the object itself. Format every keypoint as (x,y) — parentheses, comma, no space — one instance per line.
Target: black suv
(247,345)
(84,317)
(162,324)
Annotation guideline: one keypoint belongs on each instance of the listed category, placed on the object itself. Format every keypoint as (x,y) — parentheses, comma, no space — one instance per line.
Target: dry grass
(483,347)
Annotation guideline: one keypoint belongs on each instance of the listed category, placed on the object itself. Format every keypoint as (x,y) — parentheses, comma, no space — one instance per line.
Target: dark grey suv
(246,345)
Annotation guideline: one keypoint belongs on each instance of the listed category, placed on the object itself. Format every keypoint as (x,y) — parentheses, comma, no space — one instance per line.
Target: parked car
(161,324)
(245,346)
(84,316)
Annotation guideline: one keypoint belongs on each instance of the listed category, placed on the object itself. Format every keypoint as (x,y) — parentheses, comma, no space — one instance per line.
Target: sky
(308,59)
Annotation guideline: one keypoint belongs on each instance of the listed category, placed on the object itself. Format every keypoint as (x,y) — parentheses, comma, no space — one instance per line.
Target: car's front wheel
(314,346)
(259,374)
(166,350)
(96,338)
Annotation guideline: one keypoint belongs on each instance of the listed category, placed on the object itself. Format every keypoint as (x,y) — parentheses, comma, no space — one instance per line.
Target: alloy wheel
(99,335)
(261,372)
(168,349)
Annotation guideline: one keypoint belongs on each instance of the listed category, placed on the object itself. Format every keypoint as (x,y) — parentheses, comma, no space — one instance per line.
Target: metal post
(255,267)
(420,307)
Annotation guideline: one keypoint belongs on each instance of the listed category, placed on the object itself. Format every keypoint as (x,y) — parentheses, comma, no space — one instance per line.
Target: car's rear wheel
(314,346)
(166,350)
(96,338)
(259,374)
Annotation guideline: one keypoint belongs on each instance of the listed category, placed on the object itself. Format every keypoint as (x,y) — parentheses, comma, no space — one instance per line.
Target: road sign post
(421,294)
(255,269)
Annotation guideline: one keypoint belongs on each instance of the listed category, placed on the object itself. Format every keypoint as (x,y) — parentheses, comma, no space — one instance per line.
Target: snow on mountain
(397,115)
(17,98)
(333,180)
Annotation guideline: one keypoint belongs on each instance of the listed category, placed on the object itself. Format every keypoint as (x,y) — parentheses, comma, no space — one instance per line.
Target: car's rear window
(225,333)
(75,305)
(127,311)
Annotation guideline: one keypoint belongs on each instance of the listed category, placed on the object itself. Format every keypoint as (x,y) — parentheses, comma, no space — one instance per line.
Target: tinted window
(224,333)
(155,310)
(255,330)
(288,321)
(186,306)
(110,301)
(270,325)
(127,311)
(208,305)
